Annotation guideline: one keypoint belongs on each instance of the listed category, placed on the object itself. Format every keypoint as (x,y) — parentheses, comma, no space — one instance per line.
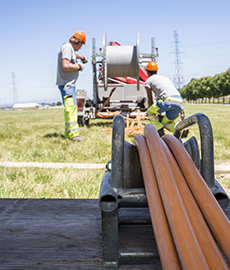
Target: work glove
(81,66)
(84,60)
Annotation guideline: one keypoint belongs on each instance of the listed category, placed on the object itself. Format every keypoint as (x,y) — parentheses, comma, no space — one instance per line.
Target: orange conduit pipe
(204,236)
(214,215)
(166,248)
(188,248)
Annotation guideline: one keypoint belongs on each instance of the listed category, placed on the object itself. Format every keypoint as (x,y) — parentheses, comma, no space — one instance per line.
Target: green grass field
(38,136)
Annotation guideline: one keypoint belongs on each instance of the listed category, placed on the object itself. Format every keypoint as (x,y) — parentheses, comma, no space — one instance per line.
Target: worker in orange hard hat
(167,99)
(152,66)
(67,74)
(80,35)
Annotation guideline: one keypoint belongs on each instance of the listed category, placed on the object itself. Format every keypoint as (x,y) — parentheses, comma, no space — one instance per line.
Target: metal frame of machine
(113,63)
(120,67)
(123,186)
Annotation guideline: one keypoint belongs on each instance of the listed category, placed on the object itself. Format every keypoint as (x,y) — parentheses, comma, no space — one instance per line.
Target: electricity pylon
(14,88)
(178,73)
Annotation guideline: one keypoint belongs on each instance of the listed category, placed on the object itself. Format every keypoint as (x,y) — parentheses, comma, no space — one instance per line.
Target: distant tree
(205,90)
(226,83)
(217,81)
(59,103)
(207,87)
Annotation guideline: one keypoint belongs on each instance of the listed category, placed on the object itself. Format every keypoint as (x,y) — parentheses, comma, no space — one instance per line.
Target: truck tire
(87,122)
(82,121)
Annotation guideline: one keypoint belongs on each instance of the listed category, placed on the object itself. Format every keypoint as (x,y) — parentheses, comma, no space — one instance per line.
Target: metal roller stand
(123,186)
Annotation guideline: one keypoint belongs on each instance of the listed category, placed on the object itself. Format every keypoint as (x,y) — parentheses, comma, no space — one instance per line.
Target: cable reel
(120,61)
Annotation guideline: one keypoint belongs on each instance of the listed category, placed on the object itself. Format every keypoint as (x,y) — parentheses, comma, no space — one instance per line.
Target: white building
(26,106)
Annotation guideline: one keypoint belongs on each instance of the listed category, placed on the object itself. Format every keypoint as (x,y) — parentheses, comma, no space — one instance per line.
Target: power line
(178,74)
(208,44)
(208,55)
(209,67)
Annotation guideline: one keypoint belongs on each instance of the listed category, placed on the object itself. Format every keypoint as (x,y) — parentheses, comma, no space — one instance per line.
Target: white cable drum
(122,61)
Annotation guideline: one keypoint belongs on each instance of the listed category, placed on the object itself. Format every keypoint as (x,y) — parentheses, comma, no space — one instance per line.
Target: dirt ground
(224,180)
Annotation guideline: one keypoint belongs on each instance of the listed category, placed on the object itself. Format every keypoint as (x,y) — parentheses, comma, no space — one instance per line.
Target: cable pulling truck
(118,81)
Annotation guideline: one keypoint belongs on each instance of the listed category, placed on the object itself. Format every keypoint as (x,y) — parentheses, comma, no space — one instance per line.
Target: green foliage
(207,87)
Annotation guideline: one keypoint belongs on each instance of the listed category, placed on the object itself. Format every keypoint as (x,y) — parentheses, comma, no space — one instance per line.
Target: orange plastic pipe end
(205,238)
(187,245)
(214,215)
(166,248)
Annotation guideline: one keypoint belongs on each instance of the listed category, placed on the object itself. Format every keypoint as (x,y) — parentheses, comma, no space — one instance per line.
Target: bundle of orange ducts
(185,215)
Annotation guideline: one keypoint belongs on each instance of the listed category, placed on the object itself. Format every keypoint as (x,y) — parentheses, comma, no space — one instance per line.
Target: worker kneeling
(167,99)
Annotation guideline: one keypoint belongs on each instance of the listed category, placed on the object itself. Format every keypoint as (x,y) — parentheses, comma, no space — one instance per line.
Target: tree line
(207,87)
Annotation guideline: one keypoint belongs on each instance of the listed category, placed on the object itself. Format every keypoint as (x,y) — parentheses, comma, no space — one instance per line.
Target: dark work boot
(161,132)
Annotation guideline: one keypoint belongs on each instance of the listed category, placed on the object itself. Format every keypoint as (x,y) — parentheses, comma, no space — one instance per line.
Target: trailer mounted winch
(119,67)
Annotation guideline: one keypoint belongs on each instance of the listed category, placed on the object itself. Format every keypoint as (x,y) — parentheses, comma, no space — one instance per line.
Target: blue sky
(32,32)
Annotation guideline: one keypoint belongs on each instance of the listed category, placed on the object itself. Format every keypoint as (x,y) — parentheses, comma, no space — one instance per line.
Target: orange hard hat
(80,35)
(152,66)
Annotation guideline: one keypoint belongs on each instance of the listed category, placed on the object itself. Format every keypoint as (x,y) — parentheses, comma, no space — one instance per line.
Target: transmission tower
(178,73)
(14,88)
